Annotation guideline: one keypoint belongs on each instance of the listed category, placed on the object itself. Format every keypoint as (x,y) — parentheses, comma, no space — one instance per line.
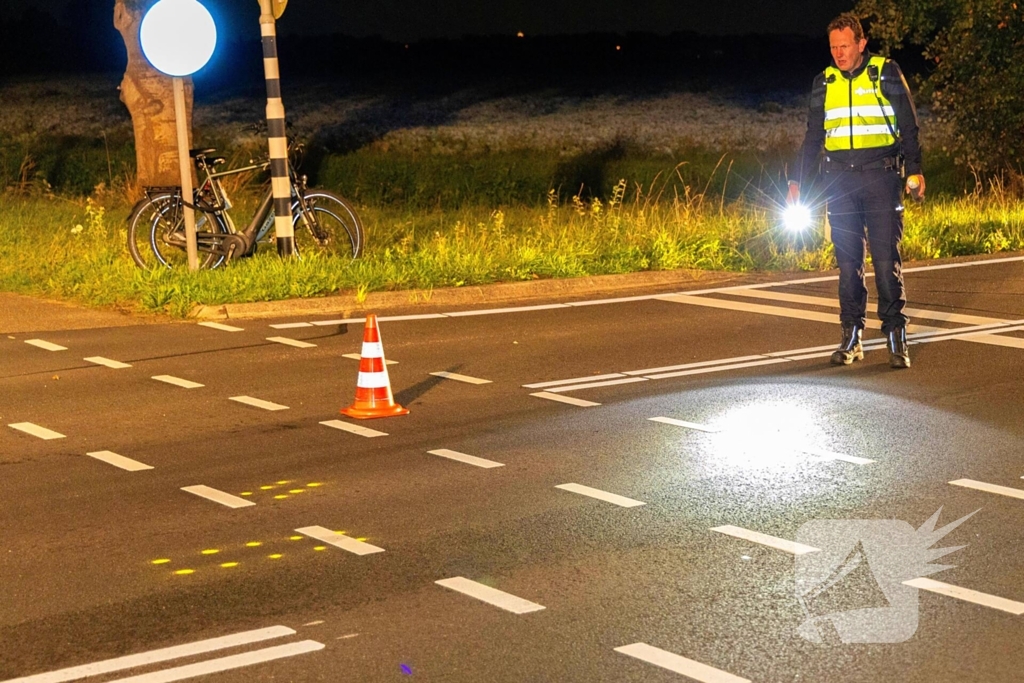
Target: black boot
(850,348)
(899,356)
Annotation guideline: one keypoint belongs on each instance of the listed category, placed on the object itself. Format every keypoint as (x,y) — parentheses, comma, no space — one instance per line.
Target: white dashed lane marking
(222,327)
(613,498)
(990,488)
(353,429)
(685,424)
(258,403)
(177,381)
(680,665)
(352,545)
(45,345)
(468,459)
(967,595)
(37,431)
(287,341)
(460,378)
(764,539)
(491,596)
(106,362)
(565,399)
(156,656)
(116,460)
(216,496)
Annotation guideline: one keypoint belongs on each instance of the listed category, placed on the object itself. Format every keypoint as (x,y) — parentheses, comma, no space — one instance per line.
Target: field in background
(464,186)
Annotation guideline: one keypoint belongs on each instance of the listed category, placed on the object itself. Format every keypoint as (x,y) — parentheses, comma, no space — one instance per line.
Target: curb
(425,300)
(506,292)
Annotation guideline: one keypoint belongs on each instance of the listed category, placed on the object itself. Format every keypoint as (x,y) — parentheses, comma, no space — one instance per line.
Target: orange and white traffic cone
(373,388)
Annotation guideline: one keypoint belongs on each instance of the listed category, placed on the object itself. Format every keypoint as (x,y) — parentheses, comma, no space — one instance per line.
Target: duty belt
(889,163)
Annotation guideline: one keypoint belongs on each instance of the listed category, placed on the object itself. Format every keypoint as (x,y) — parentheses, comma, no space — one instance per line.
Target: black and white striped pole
(270,11)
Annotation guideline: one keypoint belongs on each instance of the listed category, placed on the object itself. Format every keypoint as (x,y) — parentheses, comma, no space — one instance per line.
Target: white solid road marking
(155,656)
(565,399)
(468,459)
(922,313)
(356,356)
(615,499)
(290,326)
(764,539)
(177,381)
(258,403)
(684,423)
(781,311)
(650,297)
(100,360)
(116,460)
(287,341)
(45,345)
(515,309)
(680,665)
(210,666)
(491,596)
(555,383)
(343,321)
(989,488)
(218,496)
(353,429)
(719,368)
(968,595)
(36,430)
(701,364)
(987,332)
(460,378)
(222,327)
(352,545)
(418,316)
(593,385)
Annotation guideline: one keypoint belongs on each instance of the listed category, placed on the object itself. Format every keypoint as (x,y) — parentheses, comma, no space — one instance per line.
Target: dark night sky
(418,19)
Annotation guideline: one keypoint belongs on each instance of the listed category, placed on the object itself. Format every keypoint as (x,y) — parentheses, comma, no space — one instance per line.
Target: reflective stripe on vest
(856,111)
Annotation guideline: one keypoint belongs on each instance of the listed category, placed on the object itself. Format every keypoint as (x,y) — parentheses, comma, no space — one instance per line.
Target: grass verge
(75,249)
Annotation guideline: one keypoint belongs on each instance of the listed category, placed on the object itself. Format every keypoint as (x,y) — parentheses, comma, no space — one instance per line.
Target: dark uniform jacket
(895,89)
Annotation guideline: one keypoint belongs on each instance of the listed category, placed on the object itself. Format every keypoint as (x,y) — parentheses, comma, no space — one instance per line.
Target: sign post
(277,138)
(178,38)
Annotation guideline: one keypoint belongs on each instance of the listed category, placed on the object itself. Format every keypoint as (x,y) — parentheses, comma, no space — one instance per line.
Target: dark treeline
(83,40)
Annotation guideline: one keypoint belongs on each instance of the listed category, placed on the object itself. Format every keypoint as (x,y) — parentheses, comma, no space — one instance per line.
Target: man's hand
(794,192)
(915,187)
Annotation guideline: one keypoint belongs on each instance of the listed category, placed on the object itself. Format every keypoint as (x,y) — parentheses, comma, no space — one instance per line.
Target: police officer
(862,114)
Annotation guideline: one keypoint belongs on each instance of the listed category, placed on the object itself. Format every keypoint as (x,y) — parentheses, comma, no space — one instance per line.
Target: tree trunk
(149,96)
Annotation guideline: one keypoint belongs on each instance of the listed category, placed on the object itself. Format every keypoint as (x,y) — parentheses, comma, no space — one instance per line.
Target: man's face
(847,51)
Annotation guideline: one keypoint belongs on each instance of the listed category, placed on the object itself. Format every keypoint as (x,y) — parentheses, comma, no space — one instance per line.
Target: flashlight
(796,217)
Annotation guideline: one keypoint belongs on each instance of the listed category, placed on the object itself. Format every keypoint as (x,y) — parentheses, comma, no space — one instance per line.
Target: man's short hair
(847,20)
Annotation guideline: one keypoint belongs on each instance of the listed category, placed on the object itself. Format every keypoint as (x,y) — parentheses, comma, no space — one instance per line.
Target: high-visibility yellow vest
(856,110)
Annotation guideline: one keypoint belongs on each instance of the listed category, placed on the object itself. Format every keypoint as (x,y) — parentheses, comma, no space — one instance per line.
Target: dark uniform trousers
(871,199)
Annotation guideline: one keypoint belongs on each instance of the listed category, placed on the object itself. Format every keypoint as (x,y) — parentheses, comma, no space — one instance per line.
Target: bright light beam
(796,217)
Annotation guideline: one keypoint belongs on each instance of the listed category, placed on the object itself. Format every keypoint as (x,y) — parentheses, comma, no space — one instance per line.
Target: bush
(975,48)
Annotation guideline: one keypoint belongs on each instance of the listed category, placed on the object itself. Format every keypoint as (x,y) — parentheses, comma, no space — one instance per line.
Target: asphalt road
(785,502)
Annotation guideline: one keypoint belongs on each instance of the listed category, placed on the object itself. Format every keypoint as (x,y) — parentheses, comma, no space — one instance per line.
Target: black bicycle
(322,220)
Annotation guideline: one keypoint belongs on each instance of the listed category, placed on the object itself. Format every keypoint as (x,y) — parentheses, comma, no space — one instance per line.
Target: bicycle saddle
(201,152)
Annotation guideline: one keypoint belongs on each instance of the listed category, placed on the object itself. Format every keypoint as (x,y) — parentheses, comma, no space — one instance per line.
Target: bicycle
(156,225)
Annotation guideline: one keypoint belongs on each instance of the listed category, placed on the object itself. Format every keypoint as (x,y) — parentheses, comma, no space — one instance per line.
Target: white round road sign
(178,36)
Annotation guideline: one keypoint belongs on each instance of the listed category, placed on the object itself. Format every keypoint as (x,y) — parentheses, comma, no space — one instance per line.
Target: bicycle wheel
(331,225)
(156,234)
